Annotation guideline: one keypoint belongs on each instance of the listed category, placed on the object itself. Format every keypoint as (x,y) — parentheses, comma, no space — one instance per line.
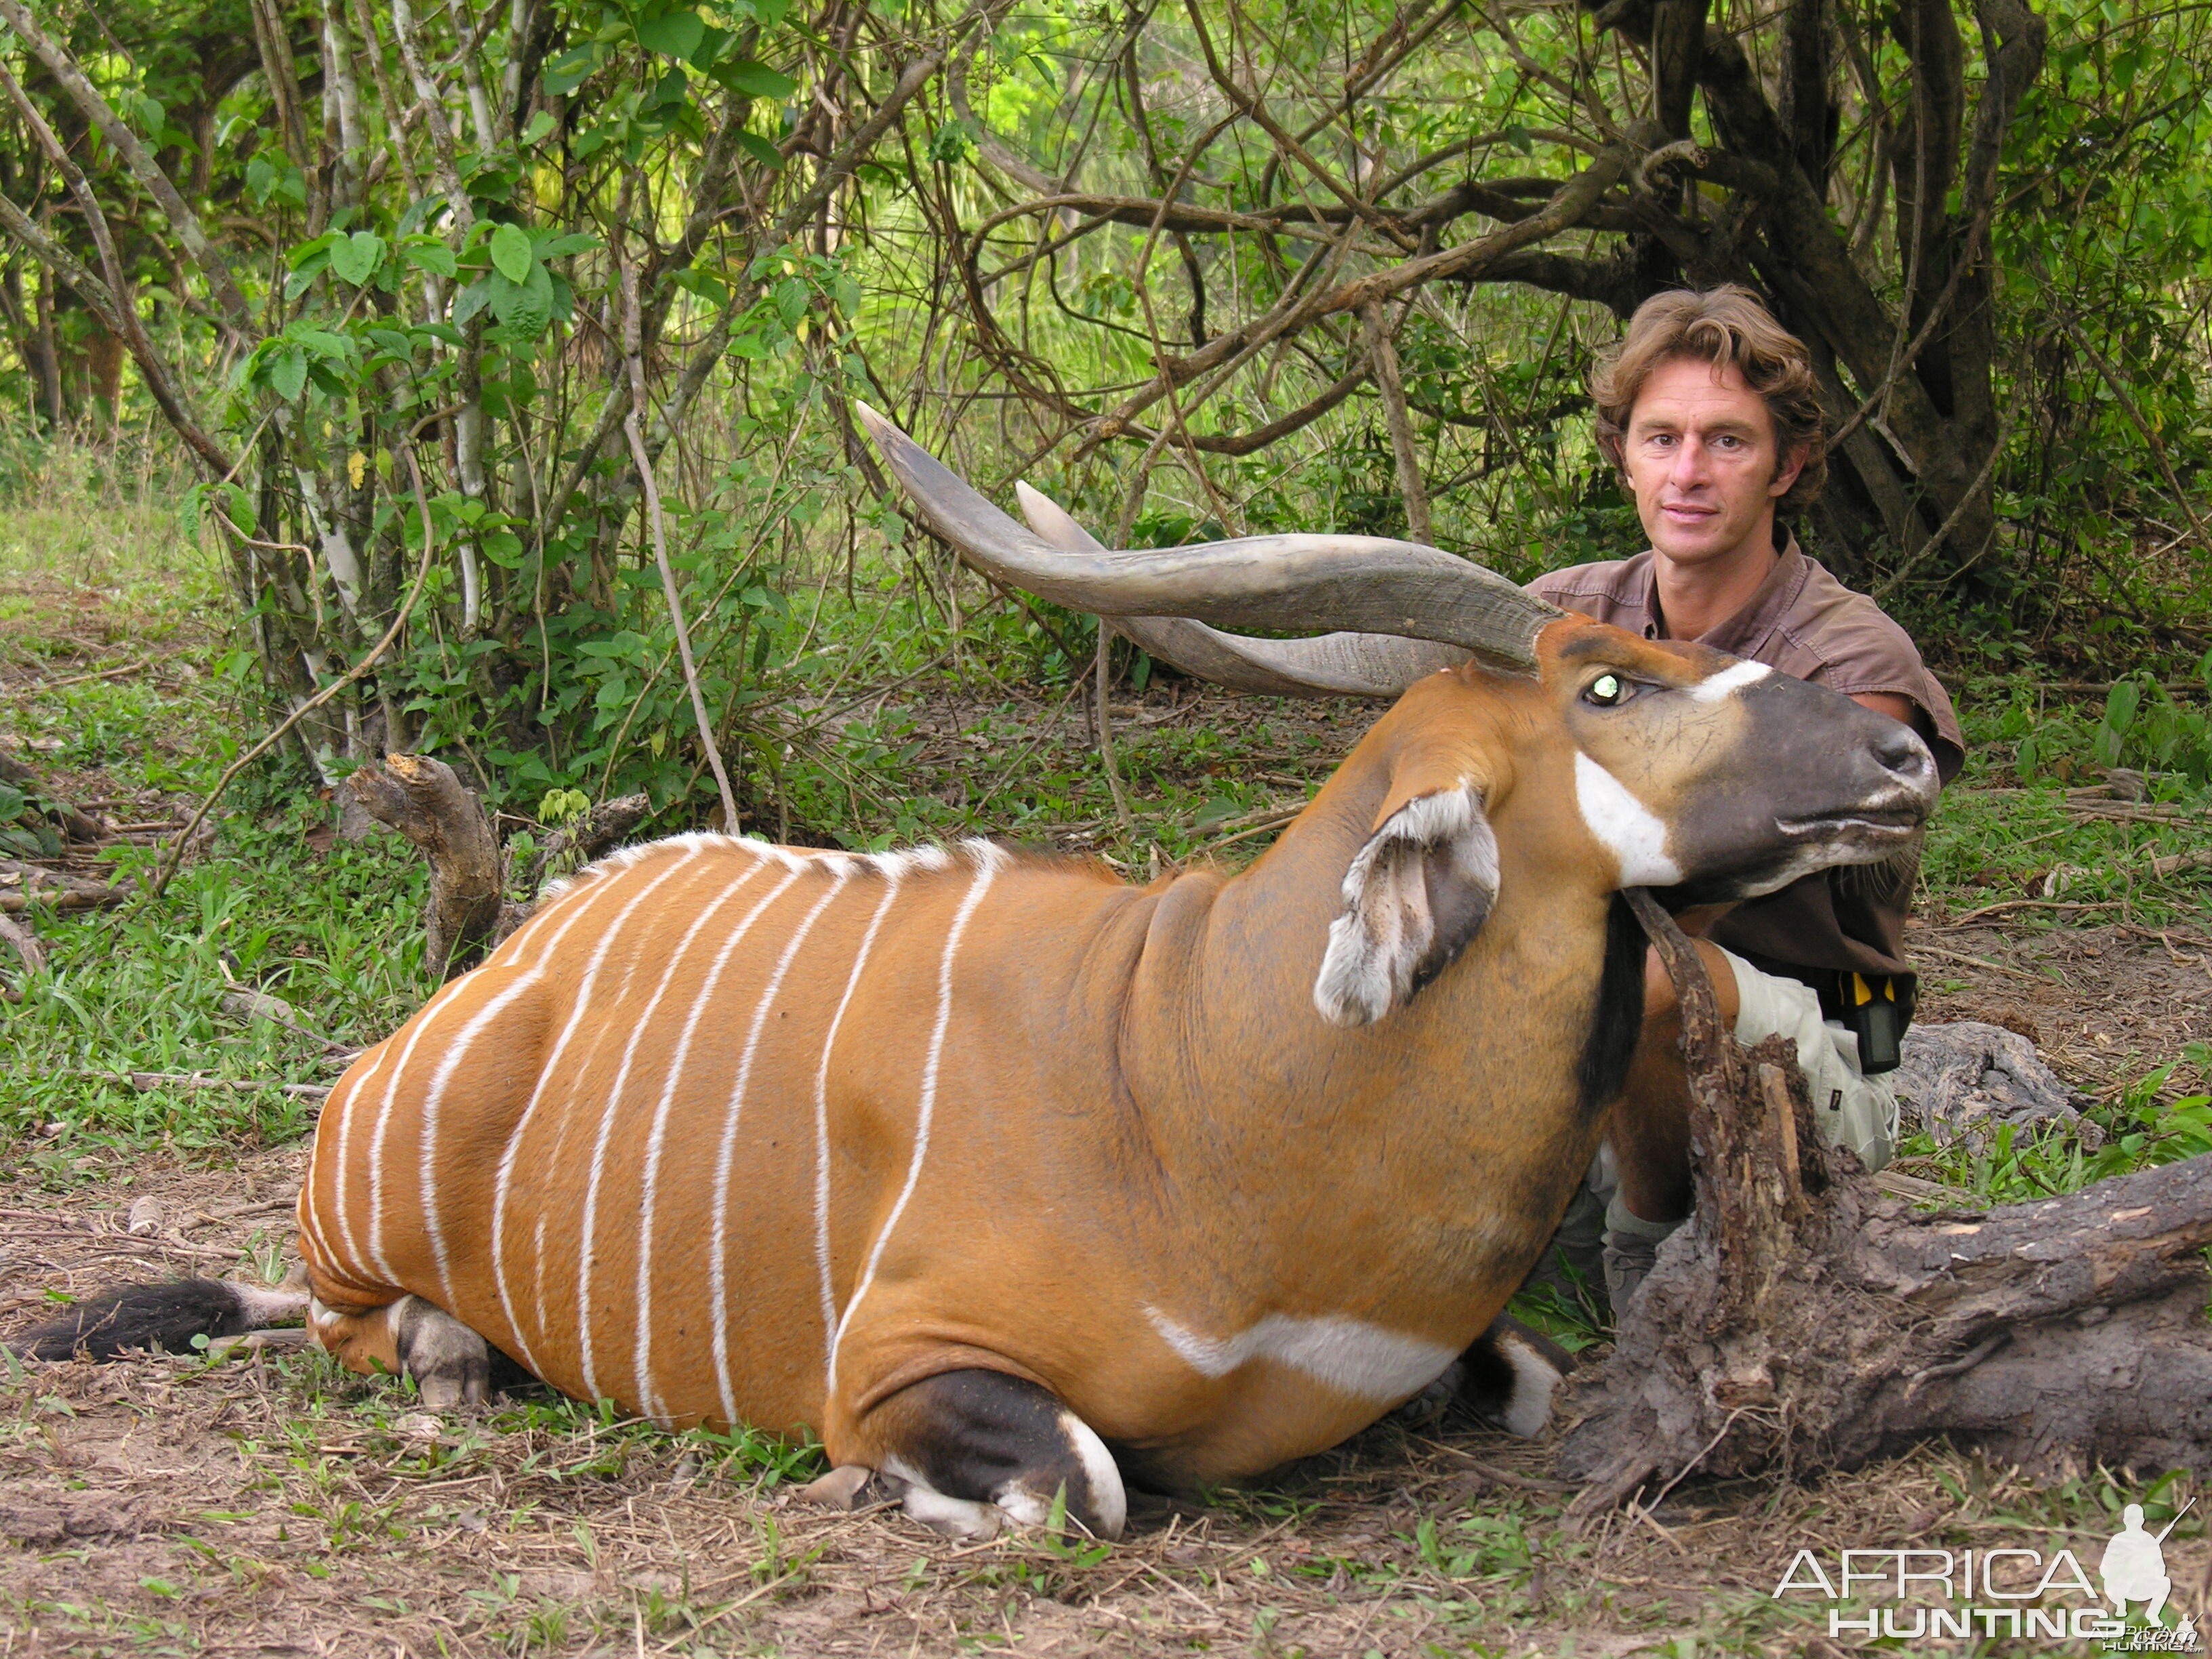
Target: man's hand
(1899,709)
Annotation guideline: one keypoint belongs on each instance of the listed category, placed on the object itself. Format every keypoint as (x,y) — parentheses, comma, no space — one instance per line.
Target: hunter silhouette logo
(2134,1568)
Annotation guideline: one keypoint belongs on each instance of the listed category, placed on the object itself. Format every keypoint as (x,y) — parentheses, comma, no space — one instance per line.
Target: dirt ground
(266,1503)
(2103,1004)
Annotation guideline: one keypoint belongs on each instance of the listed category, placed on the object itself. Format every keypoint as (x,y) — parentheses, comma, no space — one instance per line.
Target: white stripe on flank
(1733,678)
(434,1099)
(638,1029)
(604,1034)
(422,1023)
(339,1212)
(545,1071)
(718,1286)
(384,1115)
(642,1361)
(989,860)
(821,1119)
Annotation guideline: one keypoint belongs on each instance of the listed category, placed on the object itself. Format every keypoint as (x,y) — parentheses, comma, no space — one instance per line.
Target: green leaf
(709,49)
(511,254)
(760,151)
(310,256)
(430,253)
(677,34)
(540,128)
(287,374)
(561,247)
(758,81)
(2121,703)
(571,68)
(12,802)
(355,259)
(526,308)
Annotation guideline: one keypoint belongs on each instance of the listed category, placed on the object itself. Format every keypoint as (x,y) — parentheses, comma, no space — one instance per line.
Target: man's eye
(1605,691)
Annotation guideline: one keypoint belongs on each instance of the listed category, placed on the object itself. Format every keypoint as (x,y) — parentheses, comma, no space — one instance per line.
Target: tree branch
(631,351)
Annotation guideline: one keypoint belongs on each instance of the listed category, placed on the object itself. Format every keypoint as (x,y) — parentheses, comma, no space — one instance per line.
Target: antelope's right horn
(1293,583)
(1326,665)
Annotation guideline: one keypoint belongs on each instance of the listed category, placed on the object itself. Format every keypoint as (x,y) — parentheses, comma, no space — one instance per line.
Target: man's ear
(1416,893)
(1786,471)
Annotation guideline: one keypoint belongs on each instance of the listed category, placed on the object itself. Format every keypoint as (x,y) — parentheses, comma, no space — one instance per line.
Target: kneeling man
(1709,409)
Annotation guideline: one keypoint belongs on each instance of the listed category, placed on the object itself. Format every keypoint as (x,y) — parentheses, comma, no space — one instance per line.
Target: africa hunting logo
(2006,1593)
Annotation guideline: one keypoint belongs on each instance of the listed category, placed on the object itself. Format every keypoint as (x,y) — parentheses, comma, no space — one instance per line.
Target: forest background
(395,304)
(477,380)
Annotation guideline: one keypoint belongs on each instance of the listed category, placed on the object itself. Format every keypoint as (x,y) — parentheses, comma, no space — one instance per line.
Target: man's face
(1700,457)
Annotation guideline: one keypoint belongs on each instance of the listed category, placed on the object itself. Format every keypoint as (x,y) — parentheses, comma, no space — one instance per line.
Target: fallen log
(27,886)
(1804,1319)
(426,802)
(73,824)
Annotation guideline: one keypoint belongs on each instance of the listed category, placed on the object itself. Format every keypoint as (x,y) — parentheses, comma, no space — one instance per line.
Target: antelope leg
(450,1363)
(977,1448)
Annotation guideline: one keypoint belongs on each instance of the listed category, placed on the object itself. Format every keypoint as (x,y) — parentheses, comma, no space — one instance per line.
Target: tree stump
(424,801)
(1803,1319)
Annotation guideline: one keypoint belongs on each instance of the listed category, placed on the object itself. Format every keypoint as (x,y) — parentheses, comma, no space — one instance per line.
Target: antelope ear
(1416,893)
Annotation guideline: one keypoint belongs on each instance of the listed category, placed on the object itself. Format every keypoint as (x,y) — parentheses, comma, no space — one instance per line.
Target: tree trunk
(424,801)
(1803,1319)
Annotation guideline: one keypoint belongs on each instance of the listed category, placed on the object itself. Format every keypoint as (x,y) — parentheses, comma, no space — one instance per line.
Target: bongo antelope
(1006,1177)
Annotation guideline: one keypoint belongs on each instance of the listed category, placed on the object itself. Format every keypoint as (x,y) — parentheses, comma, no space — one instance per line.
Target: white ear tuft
(1415,895)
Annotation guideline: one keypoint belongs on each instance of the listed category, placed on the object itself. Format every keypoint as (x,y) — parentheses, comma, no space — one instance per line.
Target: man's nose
(1689,466)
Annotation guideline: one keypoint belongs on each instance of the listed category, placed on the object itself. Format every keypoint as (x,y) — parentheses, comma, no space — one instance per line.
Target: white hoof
(955,1517)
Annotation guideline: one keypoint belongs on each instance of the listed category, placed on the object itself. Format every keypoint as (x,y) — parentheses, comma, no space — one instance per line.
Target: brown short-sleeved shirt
(1803,622)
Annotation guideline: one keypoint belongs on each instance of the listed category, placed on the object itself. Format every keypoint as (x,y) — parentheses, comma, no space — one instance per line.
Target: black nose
(1900,752)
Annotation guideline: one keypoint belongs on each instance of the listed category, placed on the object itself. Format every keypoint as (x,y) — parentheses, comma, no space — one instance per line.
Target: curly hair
(1725,326)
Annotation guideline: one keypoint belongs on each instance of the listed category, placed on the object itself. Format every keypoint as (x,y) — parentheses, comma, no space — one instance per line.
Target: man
(1711,412)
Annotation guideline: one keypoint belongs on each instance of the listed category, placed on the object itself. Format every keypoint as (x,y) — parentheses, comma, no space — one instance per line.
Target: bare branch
(1383,357)
(631,327)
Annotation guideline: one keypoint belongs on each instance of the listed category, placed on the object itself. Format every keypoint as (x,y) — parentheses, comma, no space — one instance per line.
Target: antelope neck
(1411,1125)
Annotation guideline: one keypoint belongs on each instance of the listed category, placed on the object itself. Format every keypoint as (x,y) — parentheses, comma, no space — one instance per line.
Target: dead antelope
(1005,1177)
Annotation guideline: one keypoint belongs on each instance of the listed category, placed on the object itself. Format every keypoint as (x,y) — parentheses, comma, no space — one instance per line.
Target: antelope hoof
(450,1363)
(1427,1407)
(982,1449)
(955,1517)
(1509,1375)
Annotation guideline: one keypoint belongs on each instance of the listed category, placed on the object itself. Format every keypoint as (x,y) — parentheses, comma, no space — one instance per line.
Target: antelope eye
(1605,691)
